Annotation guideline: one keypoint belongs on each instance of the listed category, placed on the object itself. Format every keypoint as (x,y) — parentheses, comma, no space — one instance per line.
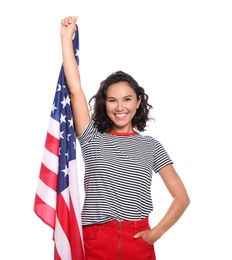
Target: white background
(180,52)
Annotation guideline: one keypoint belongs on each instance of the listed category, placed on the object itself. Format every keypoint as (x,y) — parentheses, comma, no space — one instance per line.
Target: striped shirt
(118,175)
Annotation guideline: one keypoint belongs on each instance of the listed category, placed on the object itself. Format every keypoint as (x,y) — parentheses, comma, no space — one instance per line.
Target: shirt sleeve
(89,133)
(162,158)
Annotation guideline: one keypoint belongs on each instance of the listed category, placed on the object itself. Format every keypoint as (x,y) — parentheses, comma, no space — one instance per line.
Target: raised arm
(79,104)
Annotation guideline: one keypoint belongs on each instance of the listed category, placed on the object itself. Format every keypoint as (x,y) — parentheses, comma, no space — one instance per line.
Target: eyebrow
(122,97)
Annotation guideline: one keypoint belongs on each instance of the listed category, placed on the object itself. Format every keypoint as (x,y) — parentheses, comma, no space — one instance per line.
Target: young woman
(119,162)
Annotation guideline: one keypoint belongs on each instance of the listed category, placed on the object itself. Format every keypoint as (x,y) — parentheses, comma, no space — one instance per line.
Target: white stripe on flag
(54,128)
(62,243)
(51,161)
(47,194)
(74,185)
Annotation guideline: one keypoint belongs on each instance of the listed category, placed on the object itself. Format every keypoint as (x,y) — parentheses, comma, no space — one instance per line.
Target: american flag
(57,200)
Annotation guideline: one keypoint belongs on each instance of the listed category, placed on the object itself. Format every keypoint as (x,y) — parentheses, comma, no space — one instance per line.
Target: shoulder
(89,133)
(154,142)
(148,138)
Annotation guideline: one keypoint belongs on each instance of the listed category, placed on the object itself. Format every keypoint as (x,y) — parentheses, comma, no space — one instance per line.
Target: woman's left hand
(148,235)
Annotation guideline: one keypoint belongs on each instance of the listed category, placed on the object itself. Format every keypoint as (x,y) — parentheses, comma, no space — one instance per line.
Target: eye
(127,99)
(111,100)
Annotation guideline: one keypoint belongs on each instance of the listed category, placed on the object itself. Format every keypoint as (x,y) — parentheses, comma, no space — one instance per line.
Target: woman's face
(121,106)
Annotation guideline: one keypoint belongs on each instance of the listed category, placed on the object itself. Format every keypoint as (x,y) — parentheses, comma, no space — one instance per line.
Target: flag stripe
(46,213)
(52,144)
(54,128)
(48,177)
(76,241)
(46,194)
(51,161)
(74,190)
(61,242)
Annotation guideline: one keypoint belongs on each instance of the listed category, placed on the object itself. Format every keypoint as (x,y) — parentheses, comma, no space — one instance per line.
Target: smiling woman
(119,164)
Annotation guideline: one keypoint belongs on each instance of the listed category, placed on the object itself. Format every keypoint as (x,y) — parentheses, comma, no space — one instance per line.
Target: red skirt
(115,240)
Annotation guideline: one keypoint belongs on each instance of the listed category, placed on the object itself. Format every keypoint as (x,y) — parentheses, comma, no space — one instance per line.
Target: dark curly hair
(99,115)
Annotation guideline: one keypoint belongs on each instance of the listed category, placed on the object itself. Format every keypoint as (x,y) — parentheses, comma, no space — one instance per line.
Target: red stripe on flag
(44,211)
(62,212)
(52,144)
(76,241)
(67,219)
(48,177)
(56,255)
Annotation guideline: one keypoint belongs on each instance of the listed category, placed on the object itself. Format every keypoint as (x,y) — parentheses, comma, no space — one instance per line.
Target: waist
(125,223)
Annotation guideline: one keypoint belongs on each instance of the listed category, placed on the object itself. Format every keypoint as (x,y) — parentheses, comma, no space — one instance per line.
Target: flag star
(65,171)
(68,136)
(61,134)
(62,118)
(74,145)
(77,52)
(58,87)
(65,101)
(71,122)
(53,107)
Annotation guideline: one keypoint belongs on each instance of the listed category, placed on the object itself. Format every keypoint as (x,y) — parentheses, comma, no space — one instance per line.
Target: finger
(72,19)
(69,19)
(75,18)
(64,21)
(138,235)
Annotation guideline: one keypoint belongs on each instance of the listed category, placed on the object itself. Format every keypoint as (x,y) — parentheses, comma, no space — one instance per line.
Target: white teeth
(120,115)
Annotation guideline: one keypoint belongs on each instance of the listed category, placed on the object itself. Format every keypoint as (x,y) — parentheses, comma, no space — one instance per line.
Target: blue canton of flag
(61,112)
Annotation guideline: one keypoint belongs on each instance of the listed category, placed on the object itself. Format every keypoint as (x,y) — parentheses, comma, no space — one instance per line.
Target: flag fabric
(57,199)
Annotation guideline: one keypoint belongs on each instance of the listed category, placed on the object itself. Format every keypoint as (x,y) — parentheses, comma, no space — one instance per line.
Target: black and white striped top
(118,175)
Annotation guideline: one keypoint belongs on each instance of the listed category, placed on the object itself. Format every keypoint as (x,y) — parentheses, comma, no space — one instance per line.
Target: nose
(119,106)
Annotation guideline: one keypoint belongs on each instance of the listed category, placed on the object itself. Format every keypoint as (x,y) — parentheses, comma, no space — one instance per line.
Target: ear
(139,101)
